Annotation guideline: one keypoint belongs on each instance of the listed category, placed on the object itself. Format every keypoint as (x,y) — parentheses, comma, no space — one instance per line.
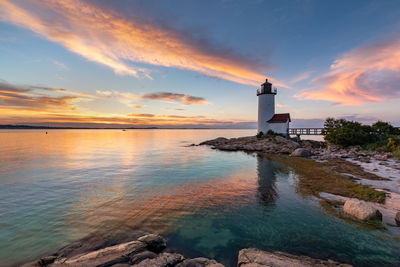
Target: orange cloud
(109,38)
(366,74)
(185,99)
(29,98)
(91,119)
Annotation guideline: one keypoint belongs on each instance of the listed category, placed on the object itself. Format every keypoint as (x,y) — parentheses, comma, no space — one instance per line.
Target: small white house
(267,119)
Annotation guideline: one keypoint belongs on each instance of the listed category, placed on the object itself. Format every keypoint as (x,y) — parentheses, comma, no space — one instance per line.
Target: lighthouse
(267,119)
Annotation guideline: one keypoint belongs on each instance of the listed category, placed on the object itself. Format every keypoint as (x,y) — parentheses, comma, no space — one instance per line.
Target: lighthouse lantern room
(267,119)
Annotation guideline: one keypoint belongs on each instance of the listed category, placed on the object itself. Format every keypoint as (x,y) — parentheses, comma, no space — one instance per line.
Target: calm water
(59,187)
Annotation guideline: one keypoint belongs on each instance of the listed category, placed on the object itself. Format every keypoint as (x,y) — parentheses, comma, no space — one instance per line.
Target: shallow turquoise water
(59,187)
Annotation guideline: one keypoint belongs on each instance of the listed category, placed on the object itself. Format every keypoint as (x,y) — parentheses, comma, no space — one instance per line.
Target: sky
(183,63)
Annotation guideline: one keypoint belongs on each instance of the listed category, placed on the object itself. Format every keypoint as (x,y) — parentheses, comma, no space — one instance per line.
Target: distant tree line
(380,136)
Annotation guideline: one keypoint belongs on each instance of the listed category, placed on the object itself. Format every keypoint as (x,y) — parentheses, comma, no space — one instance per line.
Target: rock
(135,258)
(121,265)
(219,140)
(301,152)
(251,257)
(103,257)
(47,260)
(154,243)
(199,262)
(285,150)
(397,218)
(163,260)
(291,144)
(361,210)
(280,139)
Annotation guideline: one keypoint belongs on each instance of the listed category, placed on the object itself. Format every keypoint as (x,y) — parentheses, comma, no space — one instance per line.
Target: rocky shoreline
(149,251)
(378,170)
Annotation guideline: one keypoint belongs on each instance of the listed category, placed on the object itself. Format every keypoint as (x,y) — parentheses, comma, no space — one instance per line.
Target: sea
(63,185)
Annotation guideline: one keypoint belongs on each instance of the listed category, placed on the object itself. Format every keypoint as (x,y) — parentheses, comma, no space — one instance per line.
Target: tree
(347,133)
(385,129)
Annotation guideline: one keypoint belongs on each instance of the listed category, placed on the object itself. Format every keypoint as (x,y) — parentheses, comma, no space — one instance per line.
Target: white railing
(262,91)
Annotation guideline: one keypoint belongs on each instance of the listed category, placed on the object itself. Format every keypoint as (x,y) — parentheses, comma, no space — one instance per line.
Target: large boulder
(103,257)
(397,218)
(361,210)
(155,243)
(301,152)
(251,257)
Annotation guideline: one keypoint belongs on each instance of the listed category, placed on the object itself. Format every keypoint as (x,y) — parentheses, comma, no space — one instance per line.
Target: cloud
(366,74)
(281,105)
(129,98)
(60,65)
(30,98)
(103,93)
(113,40)
(141,115)
(301,77)
(185,99)
(37,117)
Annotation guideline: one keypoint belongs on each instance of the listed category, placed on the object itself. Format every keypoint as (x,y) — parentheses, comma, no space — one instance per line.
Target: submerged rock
(251,257)
(361,210)
(301,152)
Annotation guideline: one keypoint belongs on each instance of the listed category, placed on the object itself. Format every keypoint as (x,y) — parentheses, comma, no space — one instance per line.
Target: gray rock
(163,260)
(199,262)
(280,139)
(219,140)
(102,257)
(397,218)
(136,258)
(155,243)
(257,258)
(301,152)
(361,210)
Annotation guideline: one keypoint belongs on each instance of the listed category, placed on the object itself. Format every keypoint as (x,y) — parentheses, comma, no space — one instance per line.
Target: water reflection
(266,172)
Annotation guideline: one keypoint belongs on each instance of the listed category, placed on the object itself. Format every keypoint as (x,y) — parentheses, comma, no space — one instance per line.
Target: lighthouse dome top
(266,88)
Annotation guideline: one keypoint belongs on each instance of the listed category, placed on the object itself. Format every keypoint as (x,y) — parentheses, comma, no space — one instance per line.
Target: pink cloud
(366,74)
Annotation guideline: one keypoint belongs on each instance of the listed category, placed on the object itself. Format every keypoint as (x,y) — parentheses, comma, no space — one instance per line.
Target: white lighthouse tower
(267,119)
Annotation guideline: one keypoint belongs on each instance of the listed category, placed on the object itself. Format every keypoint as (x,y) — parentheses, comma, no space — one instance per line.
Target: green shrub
(384,129)
(347,133)
(380,136)
(269,134)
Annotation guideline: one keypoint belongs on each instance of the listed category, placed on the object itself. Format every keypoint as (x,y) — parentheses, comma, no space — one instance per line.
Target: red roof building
(279,118)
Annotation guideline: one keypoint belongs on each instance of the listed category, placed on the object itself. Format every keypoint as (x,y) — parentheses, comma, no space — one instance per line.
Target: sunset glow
(84,62)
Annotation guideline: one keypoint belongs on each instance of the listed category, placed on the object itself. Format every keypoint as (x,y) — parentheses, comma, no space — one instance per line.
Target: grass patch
(343,166)
(315,177)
